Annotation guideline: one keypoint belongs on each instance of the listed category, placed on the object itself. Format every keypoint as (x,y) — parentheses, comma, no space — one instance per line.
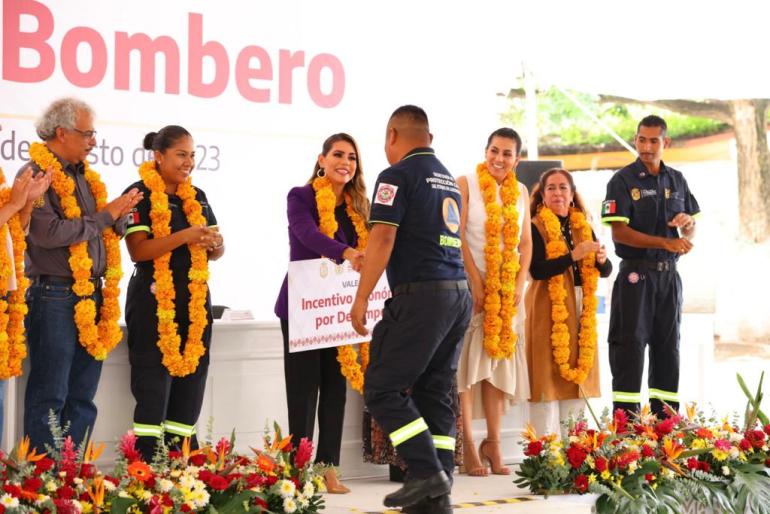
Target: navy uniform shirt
(420,197)
(646,203)
(139,220)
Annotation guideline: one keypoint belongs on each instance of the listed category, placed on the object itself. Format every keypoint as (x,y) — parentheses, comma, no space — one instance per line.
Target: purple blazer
(306,240)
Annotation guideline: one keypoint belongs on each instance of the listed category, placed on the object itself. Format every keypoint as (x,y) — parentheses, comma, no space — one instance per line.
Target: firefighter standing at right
(651,210)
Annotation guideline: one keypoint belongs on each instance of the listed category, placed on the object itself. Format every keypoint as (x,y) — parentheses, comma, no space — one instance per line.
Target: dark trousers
(307,374)
(166,406)
(646,312)
(416,346)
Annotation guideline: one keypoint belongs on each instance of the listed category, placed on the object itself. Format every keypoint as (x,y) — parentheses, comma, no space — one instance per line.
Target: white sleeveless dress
(508,375)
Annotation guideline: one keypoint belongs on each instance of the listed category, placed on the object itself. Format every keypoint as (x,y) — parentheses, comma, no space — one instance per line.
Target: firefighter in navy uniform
(416,221)
(652,211)
(166,406)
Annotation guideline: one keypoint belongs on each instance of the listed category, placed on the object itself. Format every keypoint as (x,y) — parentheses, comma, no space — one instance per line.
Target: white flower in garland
(286,488)
(165,485)
(289,505)
(8,501)
(308,490)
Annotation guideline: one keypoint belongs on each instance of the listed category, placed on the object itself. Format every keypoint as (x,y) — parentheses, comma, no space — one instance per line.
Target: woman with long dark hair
(327,217)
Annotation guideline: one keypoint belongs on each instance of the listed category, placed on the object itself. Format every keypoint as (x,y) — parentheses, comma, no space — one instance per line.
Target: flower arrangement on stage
(279,478)
(643,464)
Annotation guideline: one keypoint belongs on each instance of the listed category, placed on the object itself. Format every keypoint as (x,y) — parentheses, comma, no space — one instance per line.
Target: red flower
(704,466)
(647,451)
(534,448)
(199,459)
(65,492)
(32,484)
(722,444)
(218,483)
(223,446)
(650,477)
(692,463)
(581,483)
(704,433)
(255,480)
(2,508)
(304,452)
(43,465)
(756,438)
(580,427)
(13,490)
(620,419)
(260,503)
(601,464)
(576,456)
(767,429)
(767,463)
(745,445)
(271,480)
(87,470)
(128,447)
(185,508)
(627,458)
(665,427)
(174,454)
(65,506)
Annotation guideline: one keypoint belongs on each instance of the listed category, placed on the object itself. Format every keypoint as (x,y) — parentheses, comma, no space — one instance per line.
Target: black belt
(53,279)
(648,265)
(433,285)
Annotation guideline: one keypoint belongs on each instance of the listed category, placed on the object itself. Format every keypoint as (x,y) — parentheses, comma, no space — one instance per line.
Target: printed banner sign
(321,294)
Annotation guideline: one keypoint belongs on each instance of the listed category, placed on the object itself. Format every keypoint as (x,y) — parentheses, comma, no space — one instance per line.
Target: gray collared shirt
(51,233)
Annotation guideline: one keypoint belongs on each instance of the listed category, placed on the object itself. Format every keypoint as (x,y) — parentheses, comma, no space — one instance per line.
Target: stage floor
(470,495)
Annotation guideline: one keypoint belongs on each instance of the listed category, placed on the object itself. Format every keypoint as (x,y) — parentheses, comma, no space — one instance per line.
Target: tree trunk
(750,125)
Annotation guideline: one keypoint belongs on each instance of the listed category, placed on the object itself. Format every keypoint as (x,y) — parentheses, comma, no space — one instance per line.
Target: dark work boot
(415,489)
(440,505)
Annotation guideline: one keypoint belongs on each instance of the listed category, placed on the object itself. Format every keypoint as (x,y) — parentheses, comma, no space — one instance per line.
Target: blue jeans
(63,377)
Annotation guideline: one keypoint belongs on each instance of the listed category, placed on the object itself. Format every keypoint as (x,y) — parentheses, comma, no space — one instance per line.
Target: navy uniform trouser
(646,311)
(166,407)
(416,346)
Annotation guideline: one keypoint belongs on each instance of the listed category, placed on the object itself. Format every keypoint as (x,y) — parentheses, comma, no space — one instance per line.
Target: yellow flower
(502,222)
(177,363)
(326,202)
(587,335)
(97,338)
(719,455)
(606,474)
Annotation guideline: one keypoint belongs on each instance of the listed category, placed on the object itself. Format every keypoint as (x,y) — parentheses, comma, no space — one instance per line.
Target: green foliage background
(561,123)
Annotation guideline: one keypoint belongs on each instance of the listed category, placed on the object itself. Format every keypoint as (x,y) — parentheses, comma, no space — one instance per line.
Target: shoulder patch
(386,194)
(608,207)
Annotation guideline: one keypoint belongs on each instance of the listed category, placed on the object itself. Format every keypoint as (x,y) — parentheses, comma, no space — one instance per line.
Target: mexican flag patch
(608,207)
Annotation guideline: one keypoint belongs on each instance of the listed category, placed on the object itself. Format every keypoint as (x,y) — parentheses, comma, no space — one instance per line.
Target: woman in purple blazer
(337,169)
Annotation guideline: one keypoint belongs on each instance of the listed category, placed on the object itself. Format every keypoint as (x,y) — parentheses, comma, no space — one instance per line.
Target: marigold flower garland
(98,339)
(12,312)
(502,265)
(326,201)
(556,247)
(178,364)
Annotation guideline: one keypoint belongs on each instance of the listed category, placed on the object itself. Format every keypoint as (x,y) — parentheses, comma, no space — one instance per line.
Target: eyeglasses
(87,134)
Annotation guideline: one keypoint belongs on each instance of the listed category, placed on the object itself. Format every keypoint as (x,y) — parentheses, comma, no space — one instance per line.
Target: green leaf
(235,504)
(120,505)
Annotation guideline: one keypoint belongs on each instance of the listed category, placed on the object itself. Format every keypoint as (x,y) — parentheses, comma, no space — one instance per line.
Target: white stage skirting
(245,391)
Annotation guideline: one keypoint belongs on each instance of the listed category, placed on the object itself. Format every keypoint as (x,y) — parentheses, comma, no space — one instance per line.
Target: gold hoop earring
(321,173)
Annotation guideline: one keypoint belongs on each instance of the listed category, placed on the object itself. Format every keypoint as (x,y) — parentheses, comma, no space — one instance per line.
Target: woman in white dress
(497,248)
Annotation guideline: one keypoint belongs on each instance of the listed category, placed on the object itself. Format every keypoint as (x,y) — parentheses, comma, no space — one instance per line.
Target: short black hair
(411,113)
(507,133)
(164,138)
(653,121)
